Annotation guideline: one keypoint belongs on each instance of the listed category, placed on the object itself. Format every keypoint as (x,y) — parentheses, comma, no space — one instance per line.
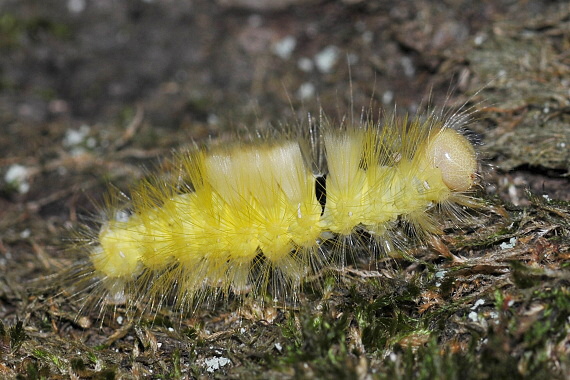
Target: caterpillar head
(454,155)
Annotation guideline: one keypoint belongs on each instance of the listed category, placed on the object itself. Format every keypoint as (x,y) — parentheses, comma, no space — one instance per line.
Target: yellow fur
(251,209)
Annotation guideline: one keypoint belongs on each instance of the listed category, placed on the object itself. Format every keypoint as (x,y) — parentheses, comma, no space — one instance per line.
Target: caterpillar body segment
(249,216)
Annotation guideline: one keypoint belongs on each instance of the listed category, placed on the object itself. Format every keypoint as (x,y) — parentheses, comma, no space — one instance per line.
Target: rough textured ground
(90,92)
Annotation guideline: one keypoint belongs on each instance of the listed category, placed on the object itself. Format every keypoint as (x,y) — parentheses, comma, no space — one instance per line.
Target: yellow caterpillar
(264,215)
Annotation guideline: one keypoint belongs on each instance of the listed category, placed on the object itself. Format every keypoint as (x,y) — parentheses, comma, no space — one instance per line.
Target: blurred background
(93,91)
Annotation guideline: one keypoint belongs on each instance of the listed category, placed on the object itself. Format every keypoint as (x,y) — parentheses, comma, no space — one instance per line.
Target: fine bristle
(260,217)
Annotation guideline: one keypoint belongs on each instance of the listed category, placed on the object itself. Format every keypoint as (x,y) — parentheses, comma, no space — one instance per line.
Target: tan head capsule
(454,155)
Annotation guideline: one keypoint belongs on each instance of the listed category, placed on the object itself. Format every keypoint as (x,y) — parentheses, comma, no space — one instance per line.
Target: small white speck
(285,47)
(213,119)
(214,364)
(76,6)
(278,347)
(170,329)
(242,330)
(473,316)
(17,176)
(478,303)
(510,244)
(306,91)
(327,58)
(546,197)
(75,137)
(159,344)
(367,37)
(512,190)
(387,97)
(120,320)
(479,39)
(91,142)
(393,357)
(122,216)
(305,64)
(26,233)
(408,66)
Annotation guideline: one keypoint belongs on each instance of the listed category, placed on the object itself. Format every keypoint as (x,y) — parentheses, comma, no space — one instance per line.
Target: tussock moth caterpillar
(262,215)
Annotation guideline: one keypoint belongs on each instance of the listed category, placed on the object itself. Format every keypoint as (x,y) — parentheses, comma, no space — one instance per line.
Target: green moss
(52,357)
(316,342)
(12,338)
(34,372)
(14,28)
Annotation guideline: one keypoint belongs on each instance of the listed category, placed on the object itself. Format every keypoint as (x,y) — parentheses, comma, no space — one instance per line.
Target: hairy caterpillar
(261,216)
